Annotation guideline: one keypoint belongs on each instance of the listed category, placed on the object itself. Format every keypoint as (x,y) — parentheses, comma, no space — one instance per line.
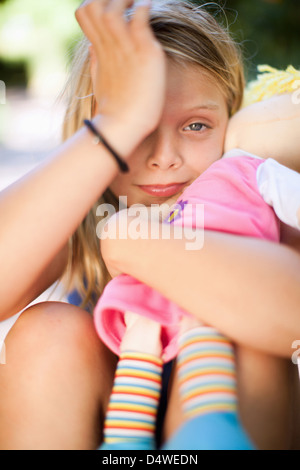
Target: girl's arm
(269,128)
(40,212)
(246,288)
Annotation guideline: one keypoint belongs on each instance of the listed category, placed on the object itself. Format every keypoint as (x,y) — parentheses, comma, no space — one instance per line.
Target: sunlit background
(36,41)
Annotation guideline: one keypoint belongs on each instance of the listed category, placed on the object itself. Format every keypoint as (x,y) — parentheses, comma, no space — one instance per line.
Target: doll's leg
(124,293)
(207,384)
(131,416)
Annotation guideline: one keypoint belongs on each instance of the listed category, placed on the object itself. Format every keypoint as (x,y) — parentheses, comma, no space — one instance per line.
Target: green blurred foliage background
(269,31)
(36,37)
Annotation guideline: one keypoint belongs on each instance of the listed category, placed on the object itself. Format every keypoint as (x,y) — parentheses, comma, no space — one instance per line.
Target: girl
(53,351)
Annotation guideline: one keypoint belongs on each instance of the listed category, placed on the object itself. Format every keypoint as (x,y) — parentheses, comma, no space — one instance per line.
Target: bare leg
(56,383)
(265,398)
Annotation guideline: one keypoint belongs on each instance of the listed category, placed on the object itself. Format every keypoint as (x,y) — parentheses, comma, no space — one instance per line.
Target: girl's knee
(46,325)
(49,321)
(59,333)
(57,377)
(57,371)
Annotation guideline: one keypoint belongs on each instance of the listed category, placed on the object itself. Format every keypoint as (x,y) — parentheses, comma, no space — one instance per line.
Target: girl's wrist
(122,136)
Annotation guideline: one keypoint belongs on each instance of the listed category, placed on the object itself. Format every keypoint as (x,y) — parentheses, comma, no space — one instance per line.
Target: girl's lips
(159,190)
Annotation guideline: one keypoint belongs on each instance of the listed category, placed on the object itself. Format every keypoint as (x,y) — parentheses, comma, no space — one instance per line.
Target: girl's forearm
(247,288)
(40,212)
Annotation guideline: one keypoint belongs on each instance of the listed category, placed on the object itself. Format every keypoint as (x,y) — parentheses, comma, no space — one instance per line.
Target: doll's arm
(280,188)
(269,128)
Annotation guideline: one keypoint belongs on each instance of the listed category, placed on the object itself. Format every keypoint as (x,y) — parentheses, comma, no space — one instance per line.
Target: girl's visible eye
(195,127)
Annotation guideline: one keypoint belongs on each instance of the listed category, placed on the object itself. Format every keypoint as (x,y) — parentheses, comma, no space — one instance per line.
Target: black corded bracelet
(100,139)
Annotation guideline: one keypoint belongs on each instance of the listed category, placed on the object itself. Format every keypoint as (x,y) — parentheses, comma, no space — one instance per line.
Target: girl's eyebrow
(210,105)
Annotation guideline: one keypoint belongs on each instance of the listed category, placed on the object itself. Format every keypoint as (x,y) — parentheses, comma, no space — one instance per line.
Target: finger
(93,58)
(90,8)
(90,16)
(86,26)
(85,3)
(139,23)
(140,15)
(96,7)
(116,23)
(119,6)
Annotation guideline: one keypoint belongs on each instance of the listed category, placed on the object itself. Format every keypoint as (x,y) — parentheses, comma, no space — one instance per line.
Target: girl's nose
(165,154)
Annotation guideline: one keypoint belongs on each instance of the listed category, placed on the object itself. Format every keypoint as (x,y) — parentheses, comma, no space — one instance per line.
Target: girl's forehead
(190,88)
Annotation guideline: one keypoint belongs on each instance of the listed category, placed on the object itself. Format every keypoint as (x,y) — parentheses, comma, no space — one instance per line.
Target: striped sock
(132,411)
(206,371)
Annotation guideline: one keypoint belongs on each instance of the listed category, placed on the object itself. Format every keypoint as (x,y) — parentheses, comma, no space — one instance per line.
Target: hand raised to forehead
(91,11)
(128,63)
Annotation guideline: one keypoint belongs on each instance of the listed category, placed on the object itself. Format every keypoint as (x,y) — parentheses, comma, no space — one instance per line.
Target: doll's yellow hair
(271,82)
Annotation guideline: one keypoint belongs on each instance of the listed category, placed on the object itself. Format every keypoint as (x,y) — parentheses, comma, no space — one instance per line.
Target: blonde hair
(189,35)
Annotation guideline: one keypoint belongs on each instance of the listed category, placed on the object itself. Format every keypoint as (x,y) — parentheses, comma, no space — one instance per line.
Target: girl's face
(189,138)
